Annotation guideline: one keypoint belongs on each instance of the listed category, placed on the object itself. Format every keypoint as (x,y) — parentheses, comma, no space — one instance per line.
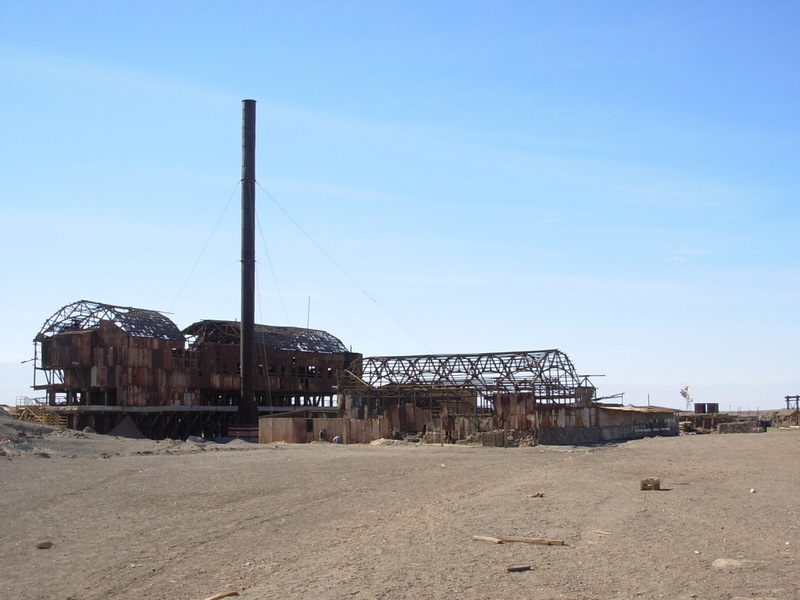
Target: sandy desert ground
(182,520)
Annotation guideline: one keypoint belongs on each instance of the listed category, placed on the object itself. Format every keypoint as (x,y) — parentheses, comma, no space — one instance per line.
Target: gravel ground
(181,520)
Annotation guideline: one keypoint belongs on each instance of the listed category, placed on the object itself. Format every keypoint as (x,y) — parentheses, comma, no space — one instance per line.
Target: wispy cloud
(34,64)
(276,187)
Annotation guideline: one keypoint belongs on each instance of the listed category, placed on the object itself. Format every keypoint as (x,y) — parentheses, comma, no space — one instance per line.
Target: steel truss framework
(84,314)
(548,375)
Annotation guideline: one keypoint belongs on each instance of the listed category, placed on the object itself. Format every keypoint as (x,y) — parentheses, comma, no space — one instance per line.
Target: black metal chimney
(247,414)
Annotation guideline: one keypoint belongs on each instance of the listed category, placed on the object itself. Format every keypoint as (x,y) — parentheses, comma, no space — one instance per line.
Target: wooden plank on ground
(222,595)
(499,539)
(485,538)
(527,540)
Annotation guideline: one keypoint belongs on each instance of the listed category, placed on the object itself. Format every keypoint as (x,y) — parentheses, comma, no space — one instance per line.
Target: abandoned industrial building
(108,367)
(493,399)
(103,365)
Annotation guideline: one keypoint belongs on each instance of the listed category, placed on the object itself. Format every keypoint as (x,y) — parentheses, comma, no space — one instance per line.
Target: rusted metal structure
(99,354)
(102,363)
(464,383)
(461,394)
(537,394)
(547,374)
(293,368)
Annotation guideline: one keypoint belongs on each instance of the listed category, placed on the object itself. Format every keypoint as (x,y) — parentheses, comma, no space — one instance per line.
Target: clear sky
(617,180)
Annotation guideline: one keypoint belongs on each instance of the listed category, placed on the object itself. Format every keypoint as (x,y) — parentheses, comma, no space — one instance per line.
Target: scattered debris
(537,495)
(523,540)
(44,545)
(222,595)
(391,442)
(517,568)
(651,483)
(601,531)
(740,427)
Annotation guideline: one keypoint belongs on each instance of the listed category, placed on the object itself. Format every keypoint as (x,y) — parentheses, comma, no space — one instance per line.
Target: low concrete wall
(591,435)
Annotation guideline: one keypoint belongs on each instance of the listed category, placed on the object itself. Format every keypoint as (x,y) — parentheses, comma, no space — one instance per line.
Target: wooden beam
(222,595)
(524,540)
(484,538)
(527,540)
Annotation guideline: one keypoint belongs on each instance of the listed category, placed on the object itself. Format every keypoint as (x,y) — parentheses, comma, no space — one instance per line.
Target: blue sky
(617,180)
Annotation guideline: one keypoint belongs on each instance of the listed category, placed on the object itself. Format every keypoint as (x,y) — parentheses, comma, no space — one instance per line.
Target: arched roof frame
(86,315)
(547,374)
(295,339)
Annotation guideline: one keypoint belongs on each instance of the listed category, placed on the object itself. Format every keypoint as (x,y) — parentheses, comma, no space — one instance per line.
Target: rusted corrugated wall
(407,417)
(296,430)
(280,374)
(552,424)
(462,427)
(106,365)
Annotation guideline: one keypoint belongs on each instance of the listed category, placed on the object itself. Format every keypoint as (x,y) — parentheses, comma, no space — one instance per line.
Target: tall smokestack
(247,414)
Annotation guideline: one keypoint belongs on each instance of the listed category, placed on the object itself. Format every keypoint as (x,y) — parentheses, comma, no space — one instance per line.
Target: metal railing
(36,409)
